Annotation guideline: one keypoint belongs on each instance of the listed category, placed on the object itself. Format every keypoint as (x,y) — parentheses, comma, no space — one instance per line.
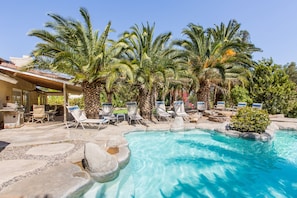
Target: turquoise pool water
(205,164)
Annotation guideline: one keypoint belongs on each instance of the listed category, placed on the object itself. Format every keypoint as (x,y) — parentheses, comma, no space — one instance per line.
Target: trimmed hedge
(249,119)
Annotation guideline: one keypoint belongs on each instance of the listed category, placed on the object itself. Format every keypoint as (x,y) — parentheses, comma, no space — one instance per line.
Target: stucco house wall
(24,87)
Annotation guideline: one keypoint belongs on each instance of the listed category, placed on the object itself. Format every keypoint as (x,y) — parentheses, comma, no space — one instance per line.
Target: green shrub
(249,119)
(292,110)
(240,94)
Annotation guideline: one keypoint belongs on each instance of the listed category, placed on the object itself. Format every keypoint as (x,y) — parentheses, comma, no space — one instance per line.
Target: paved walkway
(40,160)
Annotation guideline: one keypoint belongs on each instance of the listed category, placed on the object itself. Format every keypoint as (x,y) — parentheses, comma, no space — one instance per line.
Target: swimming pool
(205,164)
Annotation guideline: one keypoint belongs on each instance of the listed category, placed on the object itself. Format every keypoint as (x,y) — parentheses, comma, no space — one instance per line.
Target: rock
(178,124)
(58,181)
(123,156)
(195,117)
(208,113)
(266,136)
(277,116)
(218,118)
(101,166)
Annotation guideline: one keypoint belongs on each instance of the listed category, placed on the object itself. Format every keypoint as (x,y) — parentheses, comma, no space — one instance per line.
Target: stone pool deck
(41,160)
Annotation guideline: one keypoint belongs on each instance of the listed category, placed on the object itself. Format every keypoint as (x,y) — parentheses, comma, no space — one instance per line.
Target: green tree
(272,87)
(213,52)
(76,49)
(152,60)
(240,94)
(291,70)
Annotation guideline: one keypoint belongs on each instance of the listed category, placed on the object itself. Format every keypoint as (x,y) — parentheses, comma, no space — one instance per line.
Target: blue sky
(272,24)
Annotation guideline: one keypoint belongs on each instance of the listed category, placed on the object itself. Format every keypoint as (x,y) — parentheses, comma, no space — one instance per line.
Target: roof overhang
(41,79)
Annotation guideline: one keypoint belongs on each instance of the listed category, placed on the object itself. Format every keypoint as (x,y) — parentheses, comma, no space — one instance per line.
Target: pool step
(122,186)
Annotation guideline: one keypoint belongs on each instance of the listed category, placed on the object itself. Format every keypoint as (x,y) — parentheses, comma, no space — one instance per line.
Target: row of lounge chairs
(179,110)
(107,116)
(221,105)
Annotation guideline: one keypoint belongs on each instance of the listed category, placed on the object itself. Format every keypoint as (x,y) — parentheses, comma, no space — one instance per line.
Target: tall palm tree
(212,52)
(76,49)
(152,60)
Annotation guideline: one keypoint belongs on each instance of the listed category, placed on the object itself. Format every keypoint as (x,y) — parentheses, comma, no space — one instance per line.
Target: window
(17,96)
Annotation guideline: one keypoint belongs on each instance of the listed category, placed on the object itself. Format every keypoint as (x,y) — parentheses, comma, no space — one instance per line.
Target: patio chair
(106,112)
(201,107)
(51,113)
(179,109)
(257,105)
(220,105)
(133,115)
(81,119)
(240,105)
(161,111)
(39,114)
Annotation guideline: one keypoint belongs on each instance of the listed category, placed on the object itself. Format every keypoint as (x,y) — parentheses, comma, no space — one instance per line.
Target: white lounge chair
(257,105)
(81,119)
(220,105)
(161,111)
(241,104)
(133,115)
(201,107)
(179,108)
(106,112)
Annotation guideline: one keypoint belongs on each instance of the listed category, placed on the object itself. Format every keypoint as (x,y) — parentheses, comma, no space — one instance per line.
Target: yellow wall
(6,89)
(6,92)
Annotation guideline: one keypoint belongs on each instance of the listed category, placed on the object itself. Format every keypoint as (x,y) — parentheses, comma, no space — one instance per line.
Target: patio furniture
(121,115)
(106,112)
(161,111)
(179,109)
(240,105)
(201,107)
(220,105)
(133,115)
(51,115)
(39,114)
(257,105)
(81,119)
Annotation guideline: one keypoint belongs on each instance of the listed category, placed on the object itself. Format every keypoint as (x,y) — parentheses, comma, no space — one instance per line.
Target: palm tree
(213,52)
(78,50)
(152,60)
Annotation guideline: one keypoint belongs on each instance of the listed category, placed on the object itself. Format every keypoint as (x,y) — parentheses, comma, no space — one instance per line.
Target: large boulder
(101,165)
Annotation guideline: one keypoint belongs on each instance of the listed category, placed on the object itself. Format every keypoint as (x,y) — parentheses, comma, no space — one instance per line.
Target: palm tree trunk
(203,93)
(145,105)
(91,92)
(109,96)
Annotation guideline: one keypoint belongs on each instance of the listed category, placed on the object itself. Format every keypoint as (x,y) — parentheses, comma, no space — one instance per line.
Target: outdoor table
(50,115)
(121,115)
